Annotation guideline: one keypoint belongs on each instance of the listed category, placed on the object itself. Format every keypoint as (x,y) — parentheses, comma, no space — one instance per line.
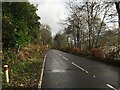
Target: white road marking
(65,58)
(94,76)
(59,54)
(86,71)
(42,70)
(82,69)
(78,66)
(110,86)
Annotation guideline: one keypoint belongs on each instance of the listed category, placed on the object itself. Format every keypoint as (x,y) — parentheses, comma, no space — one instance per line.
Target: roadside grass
(25,71)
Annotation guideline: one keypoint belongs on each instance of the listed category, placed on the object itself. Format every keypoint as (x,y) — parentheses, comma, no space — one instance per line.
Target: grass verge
(25,72)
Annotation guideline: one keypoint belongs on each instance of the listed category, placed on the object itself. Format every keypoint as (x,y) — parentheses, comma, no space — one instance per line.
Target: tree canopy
(20,24)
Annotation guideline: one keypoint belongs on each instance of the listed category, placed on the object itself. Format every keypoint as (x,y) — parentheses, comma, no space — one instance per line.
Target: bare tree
(117,4)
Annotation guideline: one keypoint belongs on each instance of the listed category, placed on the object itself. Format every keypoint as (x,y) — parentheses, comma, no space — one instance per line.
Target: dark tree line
(20,25)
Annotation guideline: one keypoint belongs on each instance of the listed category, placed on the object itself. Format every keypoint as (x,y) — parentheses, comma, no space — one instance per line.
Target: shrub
(85,52)
(115,54)
(29,52)
(76,50)
(97,52)
(62,49)
(68,49)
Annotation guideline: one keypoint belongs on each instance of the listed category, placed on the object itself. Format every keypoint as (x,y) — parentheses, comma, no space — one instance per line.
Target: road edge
(42,70)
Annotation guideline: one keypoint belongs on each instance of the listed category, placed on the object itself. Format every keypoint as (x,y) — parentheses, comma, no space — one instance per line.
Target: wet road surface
(64,70)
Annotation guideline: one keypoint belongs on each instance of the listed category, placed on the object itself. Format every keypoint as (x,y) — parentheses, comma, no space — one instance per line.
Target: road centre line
(94,76)
(110,86)
(78,66)
(65,58)
(86,71)
(75,64)
(59,54)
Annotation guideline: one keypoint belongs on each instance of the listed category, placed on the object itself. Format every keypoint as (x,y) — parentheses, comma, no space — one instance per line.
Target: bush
(68,49)
(97,52)
(29,51)
(85,52)
(76,50)
(115,54)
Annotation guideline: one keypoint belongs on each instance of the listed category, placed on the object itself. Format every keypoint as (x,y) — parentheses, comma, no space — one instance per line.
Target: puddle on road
(58,70)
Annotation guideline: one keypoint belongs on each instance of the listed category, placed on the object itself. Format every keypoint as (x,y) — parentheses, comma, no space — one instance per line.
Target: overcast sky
(51,13)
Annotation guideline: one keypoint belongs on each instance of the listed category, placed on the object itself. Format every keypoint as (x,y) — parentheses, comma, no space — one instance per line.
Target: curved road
(64,70)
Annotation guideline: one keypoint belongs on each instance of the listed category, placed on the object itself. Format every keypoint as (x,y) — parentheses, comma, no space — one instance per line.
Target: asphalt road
(64,70)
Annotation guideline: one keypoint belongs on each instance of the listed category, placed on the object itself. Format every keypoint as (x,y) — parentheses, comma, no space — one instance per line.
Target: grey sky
(51,13)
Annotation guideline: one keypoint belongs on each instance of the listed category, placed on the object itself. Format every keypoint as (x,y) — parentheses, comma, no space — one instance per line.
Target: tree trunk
(89,26)
(78,37)
(118,11)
